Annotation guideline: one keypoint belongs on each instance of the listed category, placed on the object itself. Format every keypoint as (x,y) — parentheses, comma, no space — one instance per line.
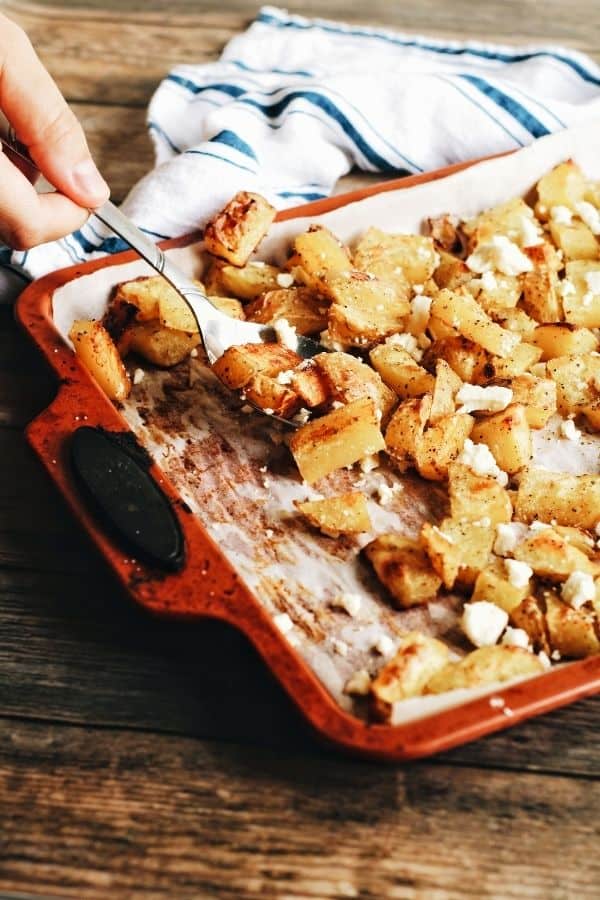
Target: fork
(218,331)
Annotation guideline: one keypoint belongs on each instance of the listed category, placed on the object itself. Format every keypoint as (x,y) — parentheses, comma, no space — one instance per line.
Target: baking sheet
(235,473)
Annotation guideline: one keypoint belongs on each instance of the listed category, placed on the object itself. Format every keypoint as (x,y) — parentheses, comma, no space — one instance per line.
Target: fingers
(28,218)
(43,122)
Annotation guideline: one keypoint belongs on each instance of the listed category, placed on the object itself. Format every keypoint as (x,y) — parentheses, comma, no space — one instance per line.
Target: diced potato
(402,566)
(515,320)
(404,430)
(577,538)
(161,346)
(467,359)
(523,357)
(348,378)
(384,254)
(577,378)
(416,661)
(276,399)
(551,556)
(583,306)
(364,309)
(462,312)
(144,293)
(458,550)
(338,439)
(476,498)
(570,631)
(508,436)
(500,293)
(310,385)
(506,219)
(440,444)
(575,240)
(538,397)
(564,185)
(570,499)
(117,320)
(344,514)
(563,339)
(447,384)
(530,615)
(175,313)
(451,272)
(99,355)
(485,665)
(238,365)
(541,298)
(494,586)
(320,255)
(400,372)
(250,281)
(300,306)
(237,230)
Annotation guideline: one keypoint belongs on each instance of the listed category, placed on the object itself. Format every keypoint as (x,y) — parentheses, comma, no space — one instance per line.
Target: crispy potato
(515,320)
(463,313)
(238,365)
(506,218)
(475,497)
(536,395)
(319,255)
(404,430)
(236,231)
(469,361)
(564,185)
(271,396)
(348,378)
(300,306)
(458,550)
(563,339)
(364,309)
(310,385)
(161,346)
(591,411)
(485,665)
(248,282)
(508,436)
(582,306)
(570,499)
(530,615)
(344,514)
(570,631)
(402,566)
(523,357)
(496,292)
(440,444)
(541,298)
(416,661)
(447,384)
(552,557)
(144,293)
(117,320)
(412,256)
(575,240)
(451,272)
(493,585)
(576,380)
(400,372)
(98,354)
(338,439)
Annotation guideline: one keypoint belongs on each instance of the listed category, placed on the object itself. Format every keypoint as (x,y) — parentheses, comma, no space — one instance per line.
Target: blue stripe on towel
(509,104)
(233,140)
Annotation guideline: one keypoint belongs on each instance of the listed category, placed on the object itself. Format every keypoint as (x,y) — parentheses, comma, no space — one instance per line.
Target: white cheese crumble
(285,280)
(285,377)
(408,342)
(283,622)
(349,602)
(418,288)
(339,647)
(302,416)
(384,645)
(499,253)
(194,352)
(508,537)
(483,622)
(138,376)
(420,307)
(536,526)
(544,659)
(592,280)
(368,463)
(491,399)
(562,215)
(327,341)
(518,572)
(529,232)
(566,288)
(358,683)
(515,637)
(597,528)
(269,533)
(489,281)
(286,333)
(578,589)
(589,215)
(478,458)
(385,492)
(568,430)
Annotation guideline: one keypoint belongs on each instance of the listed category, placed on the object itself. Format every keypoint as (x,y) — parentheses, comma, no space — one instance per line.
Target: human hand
(43,122)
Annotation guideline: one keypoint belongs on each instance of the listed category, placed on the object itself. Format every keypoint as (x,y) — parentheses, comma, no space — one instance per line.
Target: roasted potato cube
(530,615)
(515,320)
(575,240)
(551,556)
(162,346)
(440,444)
(476,498)
(237,230)
(98,354)
(310,385)
(175,313)
(344,514)
(541,297)
(451,272)
(275,398)
(506,218)
(416,661)
(497,292)
(117,320)
(458,550)
(508,436)
(564,185)
(467,359)
(320,255)
(570,499)
(400,372)
(238,365)
(402,566)
(582,304)
(303,309)
(144,293)
(348,378)
(537,396)
(493,585)
(447,384)
(248,282)
(570,631)
(405,429)
(485,665)
(563,339)
(523,357)
(364,309)
(338,439)
(389,255)
(577,379)
(462,312)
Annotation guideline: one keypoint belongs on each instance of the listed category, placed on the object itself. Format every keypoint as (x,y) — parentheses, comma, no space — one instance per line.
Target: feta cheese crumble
(501,254)
(478,458)
(420,307)
(349,602)
(566,288)
(408,342)
(138,376)
(285,377)
(491,399)
(368,463)
(578,589)
(327,341)
(385,492)
(568,430)
(508,537)
(358,683)
(515,637)
(562,215)
(286,334)
(489,281)
(384,645)
(529,235)
(285,280)
(589,215)
(483,622)
(518,572)
(592,280)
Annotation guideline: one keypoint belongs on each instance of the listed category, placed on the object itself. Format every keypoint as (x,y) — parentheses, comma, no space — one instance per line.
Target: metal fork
(218,331)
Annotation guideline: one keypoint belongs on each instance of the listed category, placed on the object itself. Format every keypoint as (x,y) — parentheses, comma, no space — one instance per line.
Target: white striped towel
(295,103)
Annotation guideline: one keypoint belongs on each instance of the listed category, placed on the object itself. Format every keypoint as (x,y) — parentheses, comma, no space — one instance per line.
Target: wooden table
(144,759)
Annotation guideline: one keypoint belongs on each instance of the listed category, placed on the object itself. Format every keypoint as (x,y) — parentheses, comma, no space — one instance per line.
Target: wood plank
(95,813)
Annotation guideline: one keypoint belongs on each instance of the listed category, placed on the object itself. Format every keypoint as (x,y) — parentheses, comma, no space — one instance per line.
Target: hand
(43,122)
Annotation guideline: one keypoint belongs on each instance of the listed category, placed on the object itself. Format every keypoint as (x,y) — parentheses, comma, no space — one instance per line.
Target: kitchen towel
(294,103)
